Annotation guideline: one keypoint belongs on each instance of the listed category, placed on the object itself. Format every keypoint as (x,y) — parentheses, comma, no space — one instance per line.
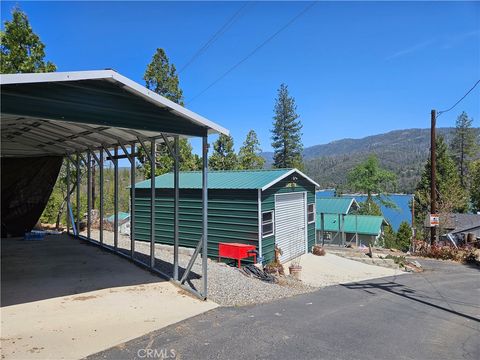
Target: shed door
(290,225)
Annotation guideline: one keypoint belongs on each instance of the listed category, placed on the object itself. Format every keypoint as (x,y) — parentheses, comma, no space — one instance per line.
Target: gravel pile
(227,285)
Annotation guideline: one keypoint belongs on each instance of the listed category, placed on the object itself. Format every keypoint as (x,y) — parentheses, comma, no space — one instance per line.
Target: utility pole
(433,168)
(414,230)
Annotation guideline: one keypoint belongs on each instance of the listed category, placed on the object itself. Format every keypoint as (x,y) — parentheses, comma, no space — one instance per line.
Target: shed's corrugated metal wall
(232,217)
(268,204)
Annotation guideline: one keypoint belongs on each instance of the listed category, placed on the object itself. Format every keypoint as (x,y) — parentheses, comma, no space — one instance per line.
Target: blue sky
(355,69)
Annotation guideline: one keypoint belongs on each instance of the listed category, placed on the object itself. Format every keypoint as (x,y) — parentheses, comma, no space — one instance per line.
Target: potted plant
(295,269)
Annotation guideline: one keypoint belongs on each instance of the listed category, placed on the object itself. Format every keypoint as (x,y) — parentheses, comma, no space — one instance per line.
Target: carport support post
(322,223)
(101,195)
(132,201)
(204,213)
(343,230)
(68,196)
(356,230)
(89,193)
(115,199)
(78,194)
(176,206)
(152,204)
(339,228)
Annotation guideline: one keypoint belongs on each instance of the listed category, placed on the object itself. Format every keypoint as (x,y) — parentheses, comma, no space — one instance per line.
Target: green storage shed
(257,207)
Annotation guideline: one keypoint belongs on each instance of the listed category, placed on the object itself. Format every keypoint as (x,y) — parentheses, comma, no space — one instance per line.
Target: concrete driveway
(431,315)
(65,299)
(331,269)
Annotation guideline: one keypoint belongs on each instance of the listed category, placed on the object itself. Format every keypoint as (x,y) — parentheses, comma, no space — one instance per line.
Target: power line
(270,38)
(215,36)
(458,102)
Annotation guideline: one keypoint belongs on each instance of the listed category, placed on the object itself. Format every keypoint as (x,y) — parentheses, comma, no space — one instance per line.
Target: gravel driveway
(227,286)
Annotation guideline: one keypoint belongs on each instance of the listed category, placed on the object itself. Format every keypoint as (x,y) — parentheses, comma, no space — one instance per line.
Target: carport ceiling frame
(91,112)
(63,113)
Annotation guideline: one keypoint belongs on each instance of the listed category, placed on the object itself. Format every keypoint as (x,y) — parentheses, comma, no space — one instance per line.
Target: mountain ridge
(402,151)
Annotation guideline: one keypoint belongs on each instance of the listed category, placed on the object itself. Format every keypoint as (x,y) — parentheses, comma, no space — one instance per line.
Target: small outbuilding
(358,229)
(263,208)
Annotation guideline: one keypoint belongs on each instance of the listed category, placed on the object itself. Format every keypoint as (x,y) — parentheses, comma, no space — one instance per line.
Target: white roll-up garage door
(290,225)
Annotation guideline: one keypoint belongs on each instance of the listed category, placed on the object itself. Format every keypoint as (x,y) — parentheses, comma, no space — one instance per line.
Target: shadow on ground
(60,265)
(405,292)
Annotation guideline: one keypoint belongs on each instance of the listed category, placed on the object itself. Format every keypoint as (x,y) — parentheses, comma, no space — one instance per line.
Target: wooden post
(433,166)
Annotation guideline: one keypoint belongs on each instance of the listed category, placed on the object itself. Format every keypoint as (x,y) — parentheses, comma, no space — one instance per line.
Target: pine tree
(223,157)
(286,133)
(161,77)
(403,237)
(389,237)
(249,155)
(22,51)
(451,197)
(475,185)
(463,145)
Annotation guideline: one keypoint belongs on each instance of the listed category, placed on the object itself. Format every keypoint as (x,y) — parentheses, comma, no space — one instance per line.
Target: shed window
(311,213)
(267,223)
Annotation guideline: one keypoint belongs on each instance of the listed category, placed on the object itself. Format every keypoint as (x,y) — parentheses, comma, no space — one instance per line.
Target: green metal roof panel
(227,179)
(362,224)
(121,216)
(334,205)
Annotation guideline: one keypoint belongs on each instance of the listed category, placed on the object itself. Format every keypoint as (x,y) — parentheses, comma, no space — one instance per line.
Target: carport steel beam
(151,154)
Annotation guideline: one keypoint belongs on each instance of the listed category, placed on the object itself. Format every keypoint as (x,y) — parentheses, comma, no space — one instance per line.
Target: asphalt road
(432,315)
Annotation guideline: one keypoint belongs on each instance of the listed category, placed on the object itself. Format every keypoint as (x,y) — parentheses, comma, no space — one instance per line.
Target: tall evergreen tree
(404,236)
(463,145)
(286,133)
(223,157)
(249,155)
(161,77)
(475,185)
(22,51)
(451,197)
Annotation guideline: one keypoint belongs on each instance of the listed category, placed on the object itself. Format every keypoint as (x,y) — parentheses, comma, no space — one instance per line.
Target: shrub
(318,250)
(274,267)
(469,256)
(439,252)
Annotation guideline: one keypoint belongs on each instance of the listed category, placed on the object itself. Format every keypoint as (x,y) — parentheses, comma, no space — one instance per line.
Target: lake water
(393,216)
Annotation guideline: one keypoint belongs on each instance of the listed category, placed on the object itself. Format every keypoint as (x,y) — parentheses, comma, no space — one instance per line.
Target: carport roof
(65,112)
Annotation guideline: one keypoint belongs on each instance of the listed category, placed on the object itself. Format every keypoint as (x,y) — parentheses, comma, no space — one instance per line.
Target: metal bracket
(169,146)
(147,153)
(192,261)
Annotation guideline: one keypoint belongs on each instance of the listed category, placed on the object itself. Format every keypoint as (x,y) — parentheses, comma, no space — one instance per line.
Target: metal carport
(84,115)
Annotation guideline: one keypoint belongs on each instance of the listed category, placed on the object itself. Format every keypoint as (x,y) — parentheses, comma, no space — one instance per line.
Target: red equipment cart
(236,251)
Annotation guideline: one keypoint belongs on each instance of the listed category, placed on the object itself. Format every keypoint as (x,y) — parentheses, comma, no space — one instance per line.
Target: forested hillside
(402,151)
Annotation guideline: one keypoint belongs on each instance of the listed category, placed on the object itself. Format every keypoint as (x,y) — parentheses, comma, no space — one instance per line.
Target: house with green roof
(263,208)
(336,205)
(358,229)
(335,208)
